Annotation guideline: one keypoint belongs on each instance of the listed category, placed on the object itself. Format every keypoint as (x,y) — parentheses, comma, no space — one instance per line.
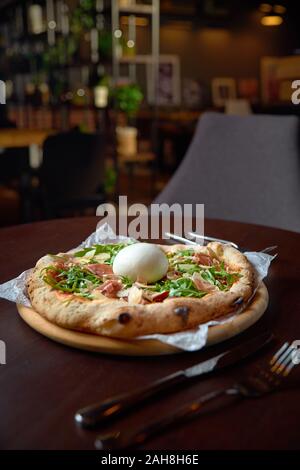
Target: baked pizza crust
(120,319)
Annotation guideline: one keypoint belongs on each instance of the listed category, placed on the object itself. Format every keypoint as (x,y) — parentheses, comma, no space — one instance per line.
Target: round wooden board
(145,347)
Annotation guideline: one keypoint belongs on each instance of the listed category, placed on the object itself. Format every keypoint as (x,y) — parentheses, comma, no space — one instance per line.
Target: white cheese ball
(142,262)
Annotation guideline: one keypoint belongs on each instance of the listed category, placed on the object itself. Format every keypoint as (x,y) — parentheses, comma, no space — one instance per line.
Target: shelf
(137,9)
(137,59)
(140,157)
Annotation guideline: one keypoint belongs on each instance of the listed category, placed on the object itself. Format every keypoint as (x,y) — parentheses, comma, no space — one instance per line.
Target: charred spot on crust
(183,312)
(238,301)
(124,318)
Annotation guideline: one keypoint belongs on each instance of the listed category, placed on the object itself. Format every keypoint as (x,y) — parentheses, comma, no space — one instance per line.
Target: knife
(101,412)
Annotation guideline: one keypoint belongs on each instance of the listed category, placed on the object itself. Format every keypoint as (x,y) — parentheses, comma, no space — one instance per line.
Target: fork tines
(283,360)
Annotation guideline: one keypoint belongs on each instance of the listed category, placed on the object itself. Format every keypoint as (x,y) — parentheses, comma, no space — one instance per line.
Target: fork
(178,238)
(267,380)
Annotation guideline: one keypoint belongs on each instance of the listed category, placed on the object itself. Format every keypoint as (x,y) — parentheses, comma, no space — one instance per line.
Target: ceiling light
(265,8)
(279,9)
(271,20)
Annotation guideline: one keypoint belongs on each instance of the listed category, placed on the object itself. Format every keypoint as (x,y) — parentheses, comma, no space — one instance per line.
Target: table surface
(44,383)
(11,137)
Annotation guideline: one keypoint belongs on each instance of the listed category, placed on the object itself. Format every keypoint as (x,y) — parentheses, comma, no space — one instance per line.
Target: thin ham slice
(111,288)
(155,296)
(100,269)
(160,296)
(54,273)
(201,284)
(201,258)
(173,274)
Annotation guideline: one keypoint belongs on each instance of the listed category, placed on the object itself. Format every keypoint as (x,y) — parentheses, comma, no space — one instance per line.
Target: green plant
(83,17)
(110,180)
(62,51)
(128,98)
(105,44)
(105,80)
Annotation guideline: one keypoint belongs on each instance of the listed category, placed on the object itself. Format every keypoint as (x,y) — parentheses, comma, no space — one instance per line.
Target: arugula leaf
(188,268)
(112,249)
(74,280)
(126,281)
(187,252)
(181,287)
(218,276)
(208,276)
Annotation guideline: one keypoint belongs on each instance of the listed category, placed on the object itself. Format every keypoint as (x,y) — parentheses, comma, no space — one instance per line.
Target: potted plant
(101,92)
(127,99)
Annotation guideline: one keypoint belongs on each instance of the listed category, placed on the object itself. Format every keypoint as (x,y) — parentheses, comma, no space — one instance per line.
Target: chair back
(73,165)
(242,168)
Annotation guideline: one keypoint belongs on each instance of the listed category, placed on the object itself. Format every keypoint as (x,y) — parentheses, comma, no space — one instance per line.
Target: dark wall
(235,51)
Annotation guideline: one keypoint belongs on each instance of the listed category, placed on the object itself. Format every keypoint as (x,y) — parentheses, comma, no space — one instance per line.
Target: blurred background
(101,98)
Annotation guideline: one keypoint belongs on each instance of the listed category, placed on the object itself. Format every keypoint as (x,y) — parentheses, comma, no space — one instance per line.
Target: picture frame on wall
(223,89)
(168,83)
(277,75)
(248,88)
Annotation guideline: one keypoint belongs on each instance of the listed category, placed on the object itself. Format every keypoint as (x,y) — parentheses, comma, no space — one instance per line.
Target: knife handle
(117,440)
(101,412)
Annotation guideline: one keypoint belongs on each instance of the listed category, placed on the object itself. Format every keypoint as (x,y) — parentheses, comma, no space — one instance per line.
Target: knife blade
(229,357)
(101,412)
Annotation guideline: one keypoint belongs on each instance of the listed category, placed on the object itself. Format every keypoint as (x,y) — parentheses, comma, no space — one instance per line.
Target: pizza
(126,290)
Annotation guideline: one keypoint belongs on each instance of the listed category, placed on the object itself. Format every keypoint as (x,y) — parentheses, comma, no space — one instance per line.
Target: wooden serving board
(143,347)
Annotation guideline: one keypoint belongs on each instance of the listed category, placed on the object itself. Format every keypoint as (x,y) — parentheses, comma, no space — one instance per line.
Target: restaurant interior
(173,349)
(101,98)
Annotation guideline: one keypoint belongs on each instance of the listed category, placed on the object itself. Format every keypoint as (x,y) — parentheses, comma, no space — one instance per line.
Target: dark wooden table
(43,383)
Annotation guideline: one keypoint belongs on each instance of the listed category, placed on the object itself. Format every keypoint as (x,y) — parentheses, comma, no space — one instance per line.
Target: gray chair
(242,168)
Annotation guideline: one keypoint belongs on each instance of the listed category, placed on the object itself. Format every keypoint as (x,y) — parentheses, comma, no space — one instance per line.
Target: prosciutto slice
(201,284)
(100,269)
(111,288)
(203,259)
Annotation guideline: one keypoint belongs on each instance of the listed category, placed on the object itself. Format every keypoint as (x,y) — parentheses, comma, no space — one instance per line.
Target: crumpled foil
(190,340)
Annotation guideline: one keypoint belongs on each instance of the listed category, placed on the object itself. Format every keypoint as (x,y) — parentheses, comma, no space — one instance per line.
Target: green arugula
(111,249)
(187,252)
(184,286)
(216,275)
(181,287)
(126,281)
(73,280)
(188,268)
(78,280)
(183,256)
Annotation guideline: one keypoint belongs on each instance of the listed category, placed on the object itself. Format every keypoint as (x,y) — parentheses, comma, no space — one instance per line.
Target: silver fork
(267,380)
(205,238)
